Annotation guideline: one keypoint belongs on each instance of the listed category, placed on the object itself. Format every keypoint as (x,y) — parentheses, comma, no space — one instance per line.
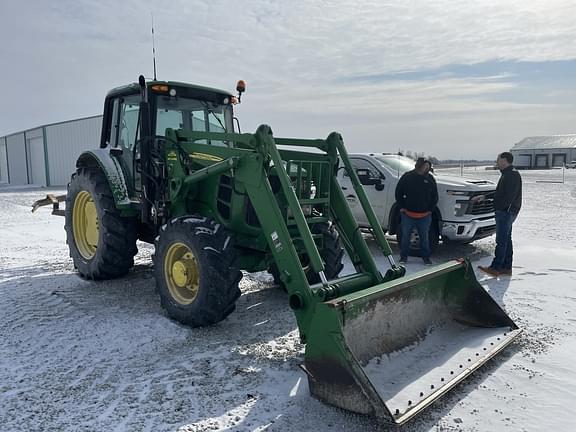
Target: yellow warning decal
(205,156)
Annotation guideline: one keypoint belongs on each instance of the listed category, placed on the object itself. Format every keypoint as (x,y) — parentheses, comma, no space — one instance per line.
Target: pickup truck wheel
(331,253)
(102,243)
(194,271)
(433,234)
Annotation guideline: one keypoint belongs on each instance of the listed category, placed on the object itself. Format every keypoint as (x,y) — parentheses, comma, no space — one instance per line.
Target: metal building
(46,155)
(544,151)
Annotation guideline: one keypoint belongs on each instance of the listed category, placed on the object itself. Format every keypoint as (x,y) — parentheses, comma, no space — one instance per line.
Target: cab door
(124,135)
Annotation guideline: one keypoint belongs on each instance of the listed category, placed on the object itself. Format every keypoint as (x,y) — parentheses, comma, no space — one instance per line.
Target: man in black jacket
(416,195)
(507,203)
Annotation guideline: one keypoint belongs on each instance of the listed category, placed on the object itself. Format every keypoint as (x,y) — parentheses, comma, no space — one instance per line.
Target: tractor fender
(110,166)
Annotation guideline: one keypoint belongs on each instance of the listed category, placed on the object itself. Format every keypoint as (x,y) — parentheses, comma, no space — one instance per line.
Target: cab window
(128,124)
(112,130)
(192,114)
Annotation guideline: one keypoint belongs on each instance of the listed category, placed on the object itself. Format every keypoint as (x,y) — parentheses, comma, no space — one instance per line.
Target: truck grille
(481,207)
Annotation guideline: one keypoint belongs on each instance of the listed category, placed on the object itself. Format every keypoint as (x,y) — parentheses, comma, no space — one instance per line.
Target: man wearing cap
(507,203)
(416,195)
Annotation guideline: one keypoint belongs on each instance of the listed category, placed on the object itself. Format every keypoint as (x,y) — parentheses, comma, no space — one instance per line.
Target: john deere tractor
(171,170)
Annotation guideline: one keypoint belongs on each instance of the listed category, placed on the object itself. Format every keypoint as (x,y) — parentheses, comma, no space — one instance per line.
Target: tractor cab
(172,105)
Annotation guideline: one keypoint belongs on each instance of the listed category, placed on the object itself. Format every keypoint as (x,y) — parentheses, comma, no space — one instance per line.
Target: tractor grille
(481,207)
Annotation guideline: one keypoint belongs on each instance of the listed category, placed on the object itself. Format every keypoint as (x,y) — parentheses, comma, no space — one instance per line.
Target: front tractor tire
(102,243)
(194,270)
(331,254)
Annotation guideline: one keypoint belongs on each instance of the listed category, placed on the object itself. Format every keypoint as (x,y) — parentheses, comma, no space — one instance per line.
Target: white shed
(46,155)
(544,151)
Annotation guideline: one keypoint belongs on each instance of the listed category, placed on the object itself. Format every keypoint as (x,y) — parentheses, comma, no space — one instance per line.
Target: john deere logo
(204,156)
(172,156)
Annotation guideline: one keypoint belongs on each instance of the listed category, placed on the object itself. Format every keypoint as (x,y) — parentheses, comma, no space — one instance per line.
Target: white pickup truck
(465,210)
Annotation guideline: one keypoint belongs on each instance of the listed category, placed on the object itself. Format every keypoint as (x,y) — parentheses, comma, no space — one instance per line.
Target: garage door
(3,162)
(523,161)
(541,161)
(36,162)
(558,160)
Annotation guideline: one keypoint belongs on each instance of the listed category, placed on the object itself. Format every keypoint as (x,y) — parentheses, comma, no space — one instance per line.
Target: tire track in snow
(39,324)
(102,356)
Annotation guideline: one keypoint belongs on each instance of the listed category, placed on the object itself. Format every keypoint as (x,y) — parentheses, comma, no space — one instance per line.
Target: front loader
(170,170)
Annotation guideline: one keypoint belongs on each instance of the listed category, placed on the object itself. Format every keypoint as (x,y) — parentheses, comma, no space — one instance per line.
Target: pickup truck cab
(465,210)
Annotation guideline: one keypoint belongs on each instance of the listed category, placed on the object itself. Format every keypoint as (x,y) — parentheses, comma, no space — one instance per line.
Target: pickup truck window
(396,162)
(364,164)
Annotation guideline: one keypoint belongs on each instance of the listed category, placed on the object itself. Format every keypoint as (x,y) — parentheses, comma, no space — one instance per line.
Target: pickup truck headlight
(458,193)
(460,208)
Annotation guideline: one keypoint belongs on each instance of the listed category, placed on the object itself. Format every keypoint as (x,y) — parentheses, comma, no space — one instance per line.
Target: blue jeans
(503,253)
(422,225)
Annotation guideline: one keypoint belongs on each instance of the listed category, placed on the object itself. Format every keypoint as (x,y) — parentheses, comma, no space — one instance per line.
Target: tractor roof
(134,87)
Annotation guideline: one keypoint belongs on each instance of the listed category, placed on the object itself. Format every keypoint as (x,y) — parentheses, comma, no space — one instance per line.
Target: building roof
(547,142)
(50,124)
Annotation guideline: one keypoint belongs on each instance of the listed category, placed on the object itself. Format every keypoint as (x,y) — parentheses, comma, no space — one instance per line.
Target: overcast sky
(454,79)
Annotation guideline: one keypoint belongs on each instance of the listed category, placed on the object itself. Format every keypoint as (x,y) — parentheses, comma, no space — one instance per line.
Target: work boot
(506,272)
(403,260)
(489,270)
(427,261)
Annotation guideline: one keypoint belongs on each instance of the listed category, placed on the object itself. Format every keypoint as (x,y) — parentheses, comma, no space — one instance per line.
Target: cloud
(350,62)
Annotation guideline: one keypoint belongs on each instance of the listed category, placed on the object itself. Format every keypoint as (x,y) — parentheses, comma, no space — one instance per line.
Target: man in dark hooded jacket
(417,195)
(507,203)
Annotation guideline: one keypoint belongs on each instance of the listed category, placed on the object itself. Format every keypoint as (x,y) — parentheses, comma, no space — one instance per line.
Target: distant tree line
(415,155)
(435,161)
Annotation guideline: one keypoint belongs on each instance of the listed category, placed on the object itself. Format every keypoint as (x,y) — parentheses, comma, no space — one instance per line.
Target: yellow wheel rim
(181,273)
(85,225)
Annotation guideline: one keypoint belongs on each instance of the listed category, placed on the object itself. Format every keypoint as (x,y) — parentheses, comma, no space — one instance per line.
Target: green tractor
(172,171)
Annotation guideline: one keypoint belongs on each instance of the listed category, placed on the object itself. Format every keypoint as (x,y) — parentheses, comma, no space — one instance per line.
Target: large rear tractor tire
(194,269)
(331,254)
(102,243)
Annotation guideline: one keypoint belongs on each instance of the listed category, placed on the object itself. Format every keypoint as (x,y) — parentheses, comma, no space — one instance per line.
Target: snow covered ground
(102,356)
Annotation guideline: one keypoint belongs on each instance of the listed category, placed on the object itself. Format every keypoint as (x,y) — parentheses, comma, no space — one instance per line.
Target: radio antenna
(153,46)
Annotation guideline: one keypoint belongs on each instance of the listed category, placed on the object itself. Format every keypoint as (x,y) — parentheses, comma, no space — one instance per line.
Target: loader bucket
(393,349)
